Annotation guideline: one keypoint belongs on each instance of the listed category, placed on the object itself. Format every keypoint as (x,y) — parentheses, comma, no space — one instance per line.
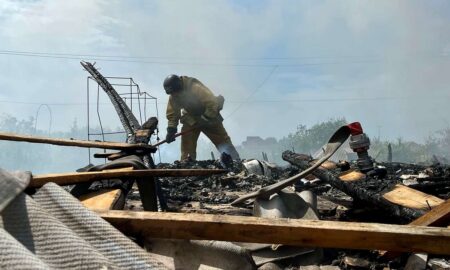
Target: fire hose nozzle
(360,143)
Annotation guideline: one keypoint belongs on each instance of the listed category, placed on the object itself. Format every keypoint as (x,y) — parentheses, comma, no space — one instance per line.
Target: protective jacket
(191,106)
(191,103)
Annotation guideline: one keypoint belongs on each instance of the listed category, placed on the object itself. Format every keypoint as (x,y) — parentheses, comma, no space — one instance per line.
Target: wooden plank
(76,143)
(438,216)
(79,177)
(329,165)
(411,198)
(351,175)
(296,232)
(103,200)
(125,169)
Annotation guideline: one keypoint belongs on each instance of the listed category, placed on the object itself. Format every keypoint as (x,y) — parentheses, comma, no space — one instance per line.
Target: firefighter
(196,107)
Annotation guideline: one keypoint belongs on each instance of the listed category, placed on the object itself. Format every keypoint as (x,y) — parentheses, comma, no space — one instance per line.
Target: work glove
(170,136)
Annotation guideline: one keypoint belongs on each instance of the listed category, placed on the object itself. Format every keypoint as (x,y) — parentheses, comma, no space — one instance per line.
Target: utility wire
(341,99)
(258,100)
(52,104)
(254,91)
(17,52)
(99,58)
(184,57)
(190,62)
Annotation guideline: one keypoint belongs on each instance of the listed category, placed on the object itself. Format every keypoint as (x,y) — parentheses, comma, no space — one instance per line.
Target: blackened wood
(357,190)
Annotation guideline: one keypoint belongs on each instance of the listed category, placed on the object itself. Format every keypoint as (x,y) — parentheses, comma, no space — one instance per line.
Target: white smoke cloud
(384,63)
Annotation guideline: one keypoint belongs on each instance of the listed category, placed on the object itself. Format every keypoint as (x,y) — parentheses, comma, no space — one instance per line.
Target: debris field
(317,212)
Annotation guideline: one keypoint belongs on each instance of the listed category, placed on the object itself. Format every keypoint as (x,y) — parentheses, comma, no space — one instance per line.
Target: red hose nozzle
(355,128)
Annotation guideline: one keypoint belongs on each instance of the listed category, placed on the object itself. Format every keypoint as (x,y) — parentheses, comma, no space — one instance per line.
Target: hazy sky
(278,63)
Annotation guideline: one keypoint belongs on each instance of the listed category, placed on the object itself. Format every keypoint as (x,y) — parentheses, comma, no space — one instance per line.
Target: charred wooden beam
(433,184)
(81,177)
(357,189)
(295,232)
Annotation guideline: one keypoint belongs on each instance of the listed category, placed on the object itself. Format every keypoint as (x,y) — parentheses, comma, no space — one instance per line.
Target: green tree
(308,140)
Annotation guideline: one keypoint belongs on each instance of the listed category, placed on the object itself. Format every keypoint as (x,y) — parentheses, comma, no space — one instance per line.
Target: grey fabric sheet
(98,233)
(53,230)
(12,184)
(15,256)
(47,237)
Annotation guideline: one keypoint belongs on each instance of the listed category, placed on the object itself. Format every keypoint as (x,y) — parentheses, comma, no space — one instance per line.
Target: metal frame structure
(136,133)
(132,96)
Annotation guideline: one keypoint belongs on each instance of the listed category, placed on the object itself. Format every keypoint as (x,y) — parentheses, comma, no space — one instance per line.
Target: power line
(83,55)
(257,100)
(50,104)
(119,59)
(254,91)
(137,59)
(131,61)
(342,99)
(184,57)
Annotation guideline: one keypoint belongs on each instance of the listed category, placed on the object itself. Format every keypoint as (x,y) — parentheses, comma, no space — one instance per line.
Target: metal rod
(98,112)
(139,105)
(88,118)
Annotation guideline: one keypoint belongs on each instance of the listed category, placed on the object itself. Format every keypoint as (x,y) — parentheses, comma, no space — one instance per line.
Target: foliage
(402,151)
(40,158)
(308,140)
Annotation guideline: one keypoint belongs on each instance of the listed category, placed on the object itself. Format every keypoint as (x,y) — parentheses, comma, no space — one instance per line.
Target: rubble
(186,196)
(219,189)
(333,192)
(289,217)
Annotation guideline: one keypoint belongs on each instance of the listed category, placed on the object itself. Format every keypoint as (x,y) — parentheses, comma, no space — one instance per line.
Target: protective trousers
(215,132)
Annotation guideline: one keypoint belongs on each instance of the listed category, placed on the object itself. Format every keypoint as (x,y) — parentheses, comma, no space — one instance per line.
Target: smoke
(277,63)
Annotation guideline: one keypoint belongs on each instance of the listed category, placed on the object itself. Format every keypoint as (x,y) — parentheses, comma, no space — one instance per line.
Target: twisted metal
(131,126)
(128,120)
